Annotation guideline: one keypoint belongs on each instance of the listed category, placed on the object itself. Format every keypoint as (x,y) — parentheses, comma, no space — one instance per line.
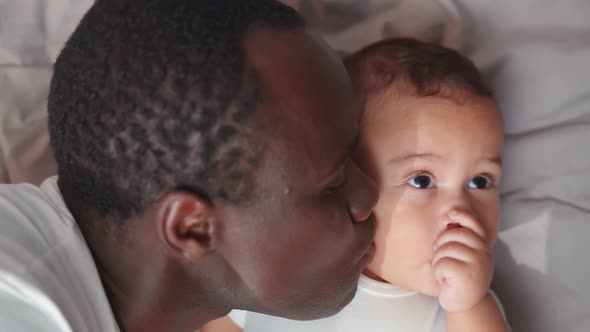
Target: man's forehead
(307,90)
(296,63)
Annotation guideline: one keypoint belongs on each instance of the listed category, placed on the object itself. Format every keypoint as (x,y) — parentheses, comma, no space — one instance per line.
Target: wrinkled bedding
(535,53)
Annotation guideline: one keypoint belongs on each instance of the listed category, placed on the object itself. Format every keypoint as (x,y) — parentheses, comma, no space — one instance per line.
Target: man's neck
(146,291)
(148,316)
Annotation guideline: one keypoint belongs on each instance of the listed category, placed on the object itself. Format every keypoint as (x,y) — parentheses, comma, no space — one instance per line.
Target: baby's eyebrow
(494,160)
(410,156)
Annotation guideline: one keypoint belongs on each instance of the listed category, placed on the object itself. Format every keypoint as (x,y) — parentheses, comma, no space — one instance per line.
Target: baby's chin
(431,290)
(428,285)
(422,281)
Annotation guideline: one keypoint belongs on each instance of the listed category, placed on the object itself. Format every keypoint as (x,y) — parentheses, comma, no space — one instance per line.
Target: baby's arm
(223,324)
(463,265)
(484,317)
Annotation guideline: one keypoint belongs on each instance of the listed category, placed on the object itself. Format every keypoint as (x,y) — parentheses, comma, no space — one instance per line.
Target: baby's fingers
(447,269)
(467,220)
(455,250)
(462,235)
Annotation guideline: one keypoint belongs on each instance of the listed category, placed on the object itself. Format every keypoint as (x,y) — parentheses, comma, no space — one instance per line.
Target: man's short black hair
(153,96)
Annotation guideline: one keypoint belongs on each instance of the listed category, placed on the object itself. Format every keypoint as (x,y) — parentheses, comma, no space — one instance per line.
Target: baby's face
(428,156)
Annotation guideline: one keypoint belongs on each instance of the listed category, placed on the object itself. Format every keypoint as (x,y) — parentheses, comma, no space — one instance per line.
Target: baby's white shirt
(377,307)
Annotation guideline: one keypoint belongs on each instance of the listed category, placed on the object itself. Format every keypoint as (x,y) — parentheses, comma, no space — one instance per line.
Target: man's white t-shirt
(377,307)
(48,279)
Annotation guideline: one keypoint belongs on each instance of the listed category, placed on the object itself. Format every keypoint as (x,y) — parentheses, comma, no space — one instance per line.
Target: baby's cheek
(414,198)
(403,232)
(386,246)
(377,264)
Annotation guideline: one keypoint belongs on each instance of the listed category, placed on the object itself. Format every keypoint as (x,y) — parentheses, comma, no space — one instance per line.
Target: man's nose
(362,194)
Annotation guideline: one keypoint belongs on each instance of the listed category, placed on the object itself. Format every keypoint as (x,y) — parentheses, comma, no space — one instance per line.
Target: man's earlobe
(188,224)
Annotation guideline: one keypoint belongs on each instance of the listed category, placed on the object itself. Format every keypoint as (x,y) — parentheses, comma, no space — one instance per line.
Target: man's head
(431,137)
(216,137)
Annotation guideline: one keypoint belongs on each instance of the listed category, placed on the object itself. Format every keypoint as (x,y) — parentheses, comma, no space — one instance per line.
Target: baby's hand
(462,263)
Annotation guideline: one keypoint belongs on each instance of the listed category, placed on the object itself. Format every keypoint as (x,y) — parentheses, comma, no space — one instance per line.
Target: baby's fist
(462,263)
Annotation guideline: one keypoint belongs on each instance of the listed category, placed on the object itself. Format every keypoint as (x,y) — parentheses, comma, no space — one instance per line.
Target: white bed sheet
(32,33)
(536,54)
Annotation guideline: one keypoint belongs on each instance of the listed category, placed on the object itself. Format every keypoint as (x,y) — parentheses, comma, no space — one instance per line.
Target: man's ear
(188,224)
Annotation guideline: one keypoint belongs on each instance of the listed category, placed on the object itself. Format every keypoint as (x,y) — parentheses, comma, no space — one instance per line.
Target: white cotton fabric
(48,279)
(376,307)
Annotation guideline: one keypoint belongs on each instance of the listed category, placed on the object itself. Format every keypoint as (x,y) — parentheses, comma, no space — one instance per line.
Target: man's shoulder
(26,308)
(27,214)
(47,273)
(16,196)
(26,200)
(33,222)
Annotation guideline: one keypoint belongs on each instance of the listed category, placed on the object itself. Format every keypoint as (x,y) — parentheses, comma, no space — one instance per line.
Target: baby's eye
(421,181)
(480,182)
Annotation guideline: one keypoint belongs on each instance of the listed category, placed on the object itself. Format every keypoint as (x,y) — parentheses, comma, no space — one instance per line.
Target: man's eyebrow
(410,156)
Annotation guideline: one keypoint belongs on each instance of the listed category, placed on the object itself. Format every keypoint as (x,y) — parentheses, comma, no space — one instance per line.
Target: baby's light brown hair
(416,68)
